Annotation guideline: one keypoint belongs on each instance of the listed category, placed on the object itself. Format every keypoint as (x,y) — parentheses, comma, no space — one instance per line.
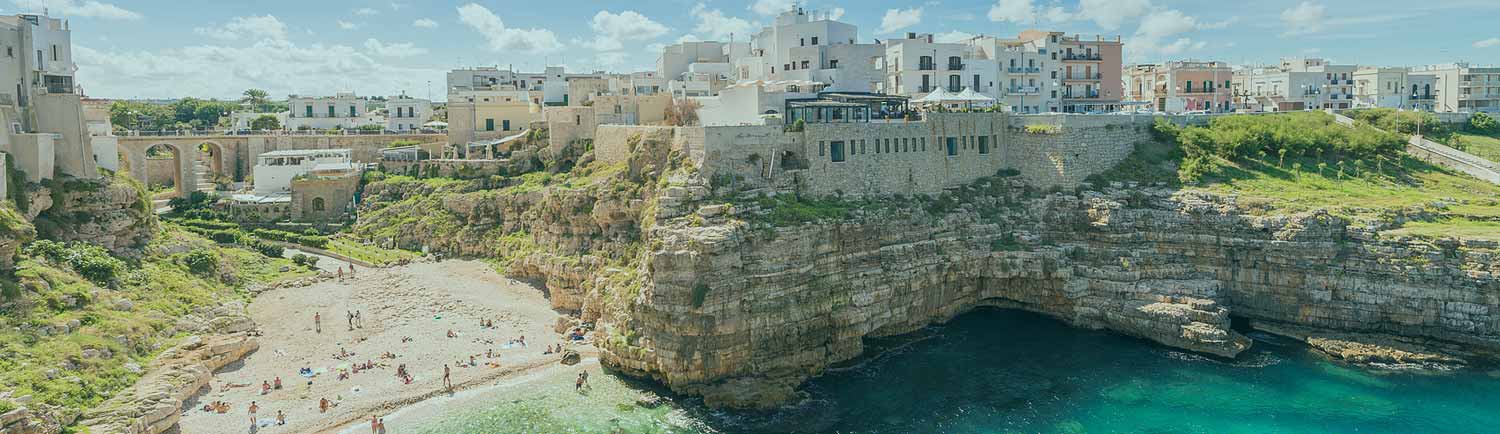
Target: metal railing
(1081,95)
(1024,90)
(955,67)
(926,67)
(1083,57)
(1024,70)
(1094,76)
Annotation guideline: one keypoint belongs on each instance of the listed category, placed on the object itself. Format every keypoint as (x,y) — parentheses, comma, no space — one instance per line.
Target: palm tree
(1321,166)
(1297,168)
(1280,157)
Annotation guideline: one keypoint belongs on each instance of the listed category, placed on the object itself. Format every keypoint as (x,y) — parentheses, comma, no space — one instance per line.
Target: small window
(317,204)
(815,40)
(984,145)
(821,148)
(952,146)
(836,148)
(924,144)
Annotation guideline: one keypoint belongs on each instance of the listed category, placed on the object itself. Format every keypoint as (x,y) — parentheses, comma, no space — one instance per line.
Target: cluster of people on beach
(356,320)
(267,386)
(340,272)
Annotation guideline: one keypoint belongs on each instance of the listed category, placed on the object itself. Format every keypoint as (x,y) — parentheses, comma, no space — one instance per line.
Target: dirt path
(422,301)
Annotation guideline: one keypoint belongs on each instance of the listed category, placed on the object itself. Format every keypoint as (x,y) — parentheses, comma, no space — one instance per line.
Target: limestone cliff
(741,300)
(743,314)
(109,211)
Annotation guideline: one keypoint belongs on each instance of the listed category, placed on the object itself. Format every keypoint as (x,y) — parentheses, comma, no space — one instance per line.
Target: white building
(1297,84)
(40,106)
(403,113)
(1381,87)
(243,120)
(343,110)
(275,170)
(1461,87)
(748,103)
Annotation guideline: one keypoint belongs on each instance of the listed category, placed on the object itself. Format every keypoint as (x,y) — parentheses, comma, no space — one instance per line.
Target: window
(577,120)
(309,110)
(833,64)
(489,124)
(1189,87)
(505,124)
(866,150)
(815,40)
(317,204)
(801,42)
(332,111)
(820,148)
(952,146)
(924,144)
(804,64)
(984,145)
(54,52)
(836,149)
(352,112)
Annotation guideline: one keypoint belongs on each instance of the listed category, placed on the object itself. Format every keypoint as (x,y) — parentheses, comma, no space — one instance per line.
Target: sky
(217,49)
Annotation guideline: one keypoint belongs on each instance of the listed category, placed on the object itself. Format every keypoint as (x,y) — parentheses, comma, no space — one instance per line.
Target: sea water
(1002,371)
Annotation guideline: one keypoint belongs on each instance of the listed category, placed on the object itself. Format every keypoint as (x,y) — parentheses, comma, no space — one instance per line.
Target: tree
(1280,157)
(265,122)
(1483,123)
(683,112)
(255,97)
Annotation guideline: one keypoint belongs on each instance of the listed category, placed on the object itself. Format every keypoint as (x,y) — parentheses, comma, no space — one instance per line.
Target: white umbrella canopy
(969,94)
(936,96)
(436,124)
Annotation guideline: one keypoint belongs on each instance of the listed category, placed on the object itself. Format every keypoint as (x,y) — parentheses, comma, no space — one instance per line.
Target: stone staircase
(203,174)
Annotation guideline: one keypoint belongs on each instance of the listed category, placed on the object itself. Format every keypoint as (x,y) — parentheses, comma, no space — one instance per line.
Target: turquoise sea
(1001,371)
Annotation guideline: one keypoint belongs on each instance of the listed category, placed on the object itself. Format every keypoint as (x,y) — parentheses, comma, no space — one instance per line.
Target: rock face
(743,316)
(712,300)
(154,404)
(103,211)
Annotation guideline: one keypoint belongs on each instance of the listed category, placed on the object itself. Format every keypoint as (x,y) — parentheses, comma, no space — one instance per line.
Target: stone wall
(323,198)
(612,142)
(566,125)
(880,159)
(161,171)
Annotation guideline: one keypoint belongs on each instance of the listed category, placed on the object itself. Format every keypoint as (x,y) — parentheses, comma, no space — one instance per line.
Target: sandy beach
(422,301)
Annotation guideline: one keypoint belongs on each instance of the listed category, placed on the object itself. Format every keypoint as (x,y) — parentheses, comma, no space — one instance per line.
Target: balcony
(1095,57)
(1081,95)
(925,89)
(955,67)
(1083,77)
(1201,91)
(1030,70)
(1422,96)
(926,67)
(1023,90)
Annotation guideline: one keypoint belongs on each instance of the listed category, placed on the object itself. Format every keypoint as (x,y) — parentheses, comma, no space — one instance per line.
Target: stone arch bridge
(199,158)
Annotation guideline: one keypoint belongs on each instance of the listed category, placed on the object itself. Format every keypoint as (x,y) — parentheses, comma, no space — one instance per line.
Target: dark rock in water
(650,400)
(571,357)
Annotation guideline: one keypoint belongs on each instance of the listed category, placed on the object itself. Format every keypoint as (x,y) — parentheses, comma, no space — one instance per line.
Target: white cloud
(897,19)
(366,11)
(1487,43)
(717,26)
(1305,18)
(87,8)
(1111,14)
(396,6)
(251,27)
(613,58)
(771,7)
(1159,32)
(952,36)
(347,25)
(277,65)
(836,13)
(502,38)
(1026,12)
(394,49)
(425,23)
(1015,11)
(627,25)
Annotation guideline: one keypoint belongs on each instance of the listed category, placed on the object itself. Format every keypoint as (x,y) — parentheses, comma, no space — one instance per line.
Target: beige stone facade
(323,198)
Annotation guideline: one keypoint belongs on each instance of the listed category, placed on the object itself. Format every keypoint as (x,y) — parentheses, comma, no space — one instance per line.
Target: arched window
(317,204)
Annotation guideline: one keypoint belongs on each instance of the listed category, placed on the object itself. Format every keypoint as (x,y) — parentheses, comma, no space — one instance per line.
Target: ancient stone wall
(323,198)
(882,159)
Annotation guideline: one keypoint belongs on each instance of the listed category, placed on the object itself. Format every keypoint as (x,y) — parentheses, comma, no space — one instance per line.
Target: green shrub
(797,127)
(317,241)
(92,262)
(1305,133)
(1483,123)
(202,262)
(194,200)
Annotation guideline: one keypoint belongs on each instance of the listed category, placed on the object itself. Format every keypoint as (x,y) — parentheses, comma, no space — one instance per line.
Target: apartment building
(404,113)
(491,114)
(1300,84)
(1383,87)
(1182,86)
(807,46)
(1462,87)
(1036,72)
(342,110)
(40,105)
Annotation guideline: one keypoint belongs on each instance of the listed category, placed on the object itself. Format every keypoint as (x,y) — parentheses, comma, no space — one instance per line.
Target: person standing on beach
(359,320)
(253,408)
(349,317)
(318,322)
(374,424)
(447,382)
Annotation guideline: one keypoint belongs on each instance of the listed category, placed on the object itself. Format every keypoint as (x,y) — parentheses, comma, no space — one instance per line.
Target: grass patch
(368,252)
(59,315)
(1486,146)
(1460,228)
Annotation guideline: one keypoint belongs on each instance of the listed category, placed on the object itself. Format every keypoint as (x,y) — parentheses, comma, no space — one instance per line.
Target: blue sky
(174,48)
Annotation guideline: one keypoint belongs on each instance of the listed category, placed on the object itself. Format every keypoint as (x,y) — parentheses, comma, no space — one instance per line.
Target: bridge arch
(135,159)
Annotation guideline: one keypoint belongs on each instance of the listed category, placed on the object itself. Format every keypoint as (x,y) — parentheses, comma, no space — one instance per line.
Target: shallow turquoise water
(995,371)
